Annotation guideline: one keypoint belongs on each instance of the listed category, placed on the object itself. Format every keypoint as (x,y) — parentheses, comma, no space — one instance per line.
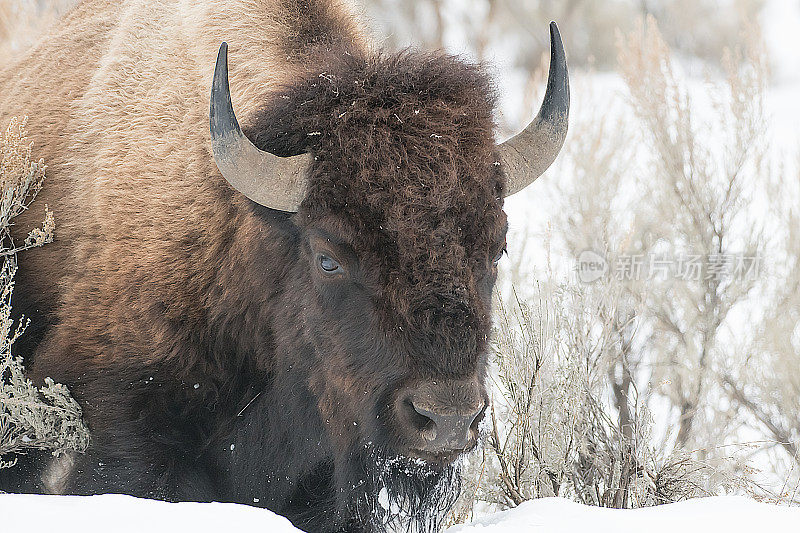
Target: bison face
(399,341)
(398,314)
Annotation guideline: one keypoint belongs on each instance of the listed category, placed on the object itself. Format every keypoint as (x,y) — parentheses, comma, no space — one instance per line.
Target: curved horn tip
(266,179)
(221,66)
(557,78)
(222,118)
(529,153)
(556,44)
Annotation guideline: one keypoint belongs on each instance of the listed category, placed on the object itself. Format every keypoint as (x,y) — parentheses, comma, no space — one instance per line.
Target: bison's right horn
(528,154)
(267,179)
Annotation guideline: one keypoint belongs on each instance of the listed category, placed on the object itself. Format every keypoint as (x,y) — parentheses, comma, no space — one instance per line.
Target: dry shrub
(20,180)
(555,428)
(706,168)
(581,367)
(45,418)
(764,384)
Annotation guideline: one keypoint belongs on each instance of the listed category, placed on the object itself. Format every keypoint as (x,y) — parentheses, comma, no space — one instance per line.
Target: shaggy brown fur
(404,158)
(213,358)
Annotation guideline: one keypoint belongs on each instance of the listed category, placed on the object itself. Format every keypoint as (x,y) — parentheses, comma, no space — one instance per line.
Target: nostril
(418,417)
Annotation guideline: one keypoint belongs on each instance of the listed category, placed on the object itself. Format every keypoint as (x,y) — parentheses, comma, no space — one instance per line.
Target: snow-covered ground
(728,514)
(116,513)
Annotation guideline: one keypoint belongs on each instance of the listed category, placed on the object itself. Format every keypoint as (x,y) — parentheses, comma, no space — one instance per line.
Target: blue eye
(328,265)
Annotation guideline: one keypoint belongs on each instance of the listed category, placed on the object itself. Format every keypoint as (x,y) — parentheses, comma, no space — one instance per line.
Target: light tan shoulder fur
(118,98)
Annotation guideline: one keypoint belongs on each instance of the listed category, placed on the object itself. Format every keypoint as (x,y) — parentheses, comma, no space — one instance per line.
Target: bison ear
(528,154)
(265,178)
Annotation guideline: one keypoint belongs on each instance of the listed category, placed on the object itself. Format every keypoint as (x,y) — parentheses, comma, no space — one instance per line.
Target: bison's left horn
(267,179)
(527,155)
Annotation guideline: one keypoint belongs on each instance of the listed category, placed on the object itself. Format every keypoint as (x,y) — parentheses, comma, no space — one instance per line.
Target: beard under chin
(402,494)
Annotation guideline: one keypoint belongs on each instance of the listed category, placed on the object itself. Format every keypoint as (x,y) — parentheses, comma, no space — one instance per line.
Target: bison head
(396,184)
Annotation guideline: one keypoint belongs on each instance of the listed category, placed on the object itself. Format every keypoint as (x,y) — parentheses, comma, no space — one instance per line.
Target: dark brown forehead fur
(405,159)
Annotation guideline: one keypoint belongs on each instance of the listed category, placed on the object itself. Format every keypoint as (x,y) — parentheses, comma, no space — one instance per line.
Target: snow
(117,513)
(731,514)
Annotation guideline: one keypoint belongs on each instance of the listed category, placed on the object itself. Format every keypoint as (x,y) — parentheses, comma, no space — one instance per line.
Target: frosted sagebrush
(709,172)
(564,430)
(580,366)
(43,418)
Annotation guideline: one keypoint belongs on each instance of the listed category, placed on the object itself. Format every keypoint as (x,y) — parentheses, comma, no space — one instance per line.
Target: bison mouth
(403,488)
(410,493)
(400,469)
(436,460)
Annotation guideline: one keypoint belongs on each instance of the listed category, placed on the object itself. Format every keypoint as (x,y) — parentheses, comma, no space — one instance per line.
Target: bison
(294,313)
